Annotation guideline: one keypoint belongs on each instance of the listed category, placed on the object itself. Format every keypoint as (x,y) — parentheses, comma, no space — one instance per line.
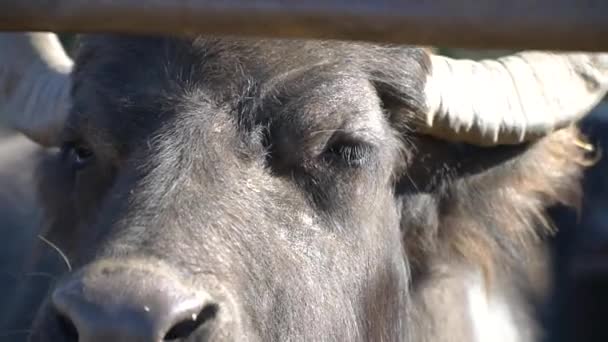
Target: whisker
(65,258)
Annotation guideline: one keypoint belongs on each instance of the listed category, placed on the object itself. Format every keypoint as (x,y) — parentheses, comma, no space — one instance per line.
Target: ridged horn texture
(34,84)
(513,99)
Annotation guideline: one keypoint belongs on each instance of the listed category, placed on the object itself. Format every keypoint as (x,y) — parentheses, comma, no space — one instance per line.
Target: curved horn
(512,99)
(34,84)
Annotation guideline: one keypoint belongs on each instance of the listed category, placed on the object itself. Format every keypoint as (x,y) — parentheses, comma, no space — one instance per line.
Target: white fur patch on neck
(491,316)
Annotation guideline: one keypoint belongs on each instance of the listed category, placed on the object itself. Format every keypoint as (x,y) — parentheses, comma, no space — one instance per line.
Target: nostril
(67,327)
(130,304)
(188,326)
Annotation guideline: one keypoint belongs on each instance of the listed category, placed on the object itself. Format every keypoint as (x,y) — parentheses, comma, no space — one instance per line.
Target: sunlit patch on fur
(492,319)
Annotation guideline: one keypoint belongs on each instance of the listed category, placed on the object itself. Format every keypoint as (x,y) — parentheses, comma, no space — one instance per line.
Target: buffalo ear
(485,206)
(399,75)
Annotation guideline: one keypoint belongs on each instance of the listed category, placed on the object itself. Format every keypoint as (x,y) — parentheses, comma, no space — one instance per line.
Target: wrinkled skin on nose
(187,208)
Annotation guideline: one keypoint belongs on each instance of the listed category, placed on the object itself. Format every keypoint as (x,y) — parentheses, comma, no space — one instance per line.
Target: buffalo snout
(122,302)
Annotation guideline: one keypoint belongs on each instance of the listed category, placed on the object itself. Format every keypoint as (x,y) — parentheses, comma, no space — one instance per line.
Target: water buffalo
(215,189)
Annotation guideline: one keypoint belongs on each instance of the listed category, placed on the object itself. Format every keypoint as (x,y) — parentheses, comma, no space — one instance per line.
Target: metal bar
(508,24)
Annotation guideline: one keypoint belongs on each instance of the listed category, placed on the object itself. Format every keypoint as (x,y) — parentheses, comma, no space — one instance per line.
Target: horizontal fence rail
(513,24)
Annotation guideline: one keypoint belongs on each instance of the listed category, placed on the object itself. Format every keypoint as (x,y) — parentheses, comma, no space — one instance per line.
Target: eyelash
(340,150)
(353,153)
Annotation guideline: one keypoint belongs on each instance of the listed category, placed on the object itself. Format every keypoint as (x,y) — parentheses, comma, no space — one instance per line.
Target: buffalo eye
(76,154)
(348,151)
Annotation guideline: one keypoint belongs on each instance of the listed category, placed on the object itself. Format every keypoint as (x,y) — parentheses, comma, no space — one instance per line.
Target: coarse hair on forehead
(255,60)
(140,76)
